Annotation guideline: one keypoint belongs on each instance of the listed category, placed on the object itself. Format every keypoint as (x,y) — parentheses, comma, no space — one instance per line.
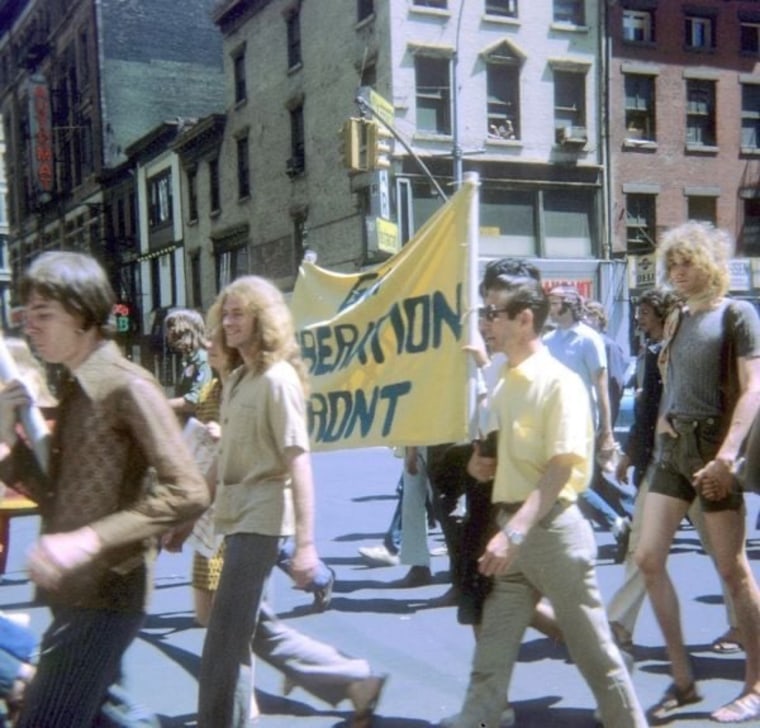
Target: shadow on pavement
(364,536)
(706,667)
(373,605)
(539,713)
(188,661)
(171,621)
(375,497)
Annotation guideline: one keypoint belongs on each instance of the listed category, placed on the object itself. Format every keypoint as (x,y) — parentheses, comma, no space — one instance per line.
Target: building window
(160,199)
(297,162)
(502,8)
(442,4)
(84,57)
(749,38)
(750,116)
(364,8)
(568,223)
(638,26)
(569,11)
(131,226)
(508,220)
(369,76)
(433,94)
(231,264)
(639,107)
(195,279)
(213,185)
(640,232)
(700,32)
(569,107)
(86,147)
(750,232)
(238,70)
(702,209)
(192,193)
(243,168)
(155,282)
(700,113)
(503,100)
(294,39)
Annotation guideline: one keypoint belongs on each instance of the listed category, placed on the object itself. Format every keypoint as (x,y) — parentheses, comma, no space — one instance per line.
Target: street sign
(381,106)
(387,236)
(382,236)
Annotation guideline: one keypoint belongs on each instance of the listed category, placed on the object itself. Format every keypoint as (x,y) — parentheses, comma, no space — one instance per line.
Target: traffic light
(378,146)
(354,144)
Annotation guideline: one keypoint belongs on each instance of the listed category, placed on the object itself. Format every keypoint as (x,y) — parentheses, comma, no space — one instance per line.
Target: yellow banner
(384,346)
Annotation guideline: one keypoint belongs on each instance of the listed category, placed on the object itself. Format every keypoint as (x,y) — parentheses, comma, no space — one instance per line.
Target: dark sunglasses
(491,312)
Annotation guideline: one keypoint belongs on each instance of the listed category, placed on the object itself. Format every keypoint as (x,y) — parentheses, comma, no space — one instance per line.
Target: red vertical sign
(41,132)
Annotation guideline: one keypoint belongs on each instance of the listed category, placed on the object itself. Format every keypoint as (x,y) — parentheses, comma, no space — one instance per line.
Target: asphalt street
(422,648)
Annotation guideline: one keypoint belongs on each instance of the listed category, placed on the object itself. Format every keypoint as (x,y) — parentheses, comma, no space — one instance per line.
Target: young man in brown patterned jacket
(100,510)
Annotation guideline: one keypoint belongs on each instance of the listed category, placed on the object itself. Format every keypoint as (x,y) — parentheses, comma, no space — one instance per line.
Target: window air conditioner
(573,135)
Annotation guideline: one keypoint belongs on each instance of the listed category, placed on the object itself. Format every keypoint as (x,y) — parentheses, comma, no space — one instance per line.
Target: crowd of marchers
(224,466)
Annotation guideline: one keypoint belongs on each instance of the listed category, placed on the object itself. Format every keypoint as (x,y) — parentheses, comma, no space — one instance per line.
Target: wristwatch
(515,537)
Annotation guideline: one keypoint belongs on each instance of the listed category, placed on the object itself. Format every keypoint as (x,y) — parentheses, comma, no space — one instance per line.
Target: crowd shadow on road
(364,536)
(189,661)
(375,497)
(378,605)
(170,622)
(705,663)
(277,706)
(540,713)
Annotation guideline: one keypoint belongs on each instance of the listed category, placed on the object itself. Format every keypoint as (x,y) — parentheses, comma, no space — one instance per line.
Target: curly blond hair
(706,247)
(274,331)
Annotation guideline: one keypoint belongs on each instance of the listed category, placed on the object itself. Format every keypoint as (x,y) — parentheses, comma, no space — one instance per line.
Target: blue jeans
(225,682)
(80,659)
(392,539)
(17,645)
(20,641)
(322,574)
(604,501)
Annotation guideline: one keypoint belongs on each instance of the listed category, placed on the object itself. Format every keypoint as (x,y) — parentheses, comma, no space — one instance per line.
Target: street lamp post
(456,150)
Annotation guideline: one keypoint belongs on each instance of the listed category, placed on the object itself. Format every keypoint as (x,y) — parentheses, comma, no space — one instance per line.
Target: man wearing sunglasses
(545,546)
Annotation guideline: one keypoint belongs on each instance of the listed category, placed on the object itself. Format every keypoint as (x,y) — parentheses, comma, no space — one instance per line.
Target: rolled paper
(31,417)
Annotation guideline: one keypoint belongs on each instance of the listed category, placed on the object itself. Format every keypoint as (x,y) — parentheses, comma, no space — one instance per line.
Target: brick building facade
(684,119)
(80,81)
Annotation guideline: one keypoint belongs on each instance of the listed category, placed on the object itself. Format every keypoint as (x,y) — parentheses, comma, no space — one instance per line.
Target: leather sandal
(726,644)
(742,710)
(673,698)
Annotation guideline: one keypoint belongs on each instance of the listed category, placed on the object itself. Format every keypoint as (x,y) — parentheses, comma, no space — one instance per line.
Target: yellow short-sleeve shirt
(540,409)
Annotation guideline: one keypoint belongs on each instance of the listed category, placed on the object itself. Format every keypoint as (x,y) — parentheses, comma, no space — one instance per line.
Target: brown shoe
(365,695)
(416,576)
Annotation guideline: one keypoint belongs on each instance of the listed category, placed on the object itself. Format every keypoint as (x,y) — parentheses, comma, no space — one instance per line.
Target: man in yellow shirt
(545,546)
